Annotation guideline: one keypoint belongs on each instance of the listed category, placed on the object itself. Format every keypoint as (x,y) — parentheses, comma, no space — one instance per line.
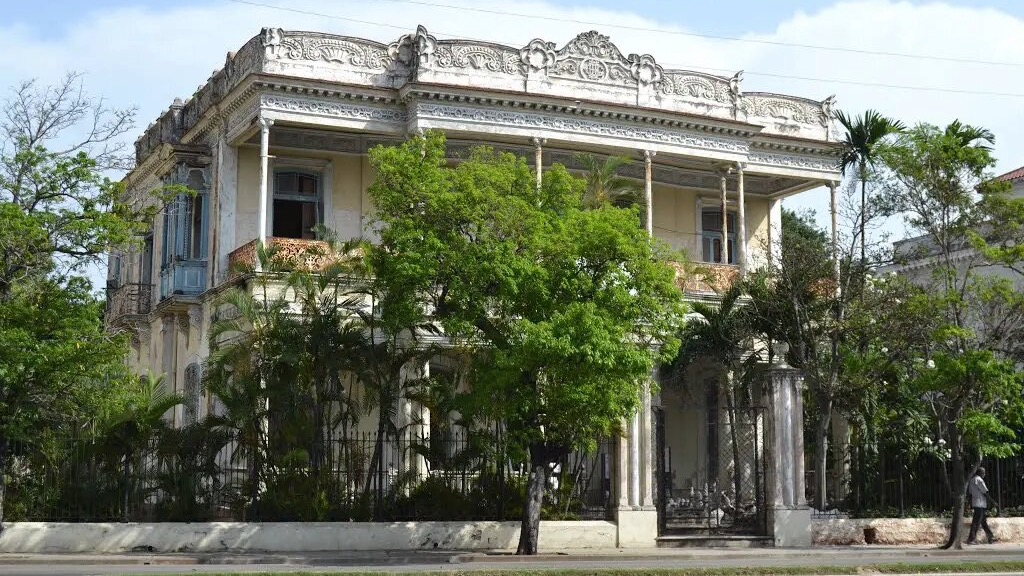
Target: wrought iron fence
(890,483)
(460,475)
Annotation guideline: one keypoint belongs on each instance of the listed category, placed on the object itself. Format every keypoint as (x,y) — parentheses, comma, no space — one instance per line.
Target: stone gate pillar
(789,517)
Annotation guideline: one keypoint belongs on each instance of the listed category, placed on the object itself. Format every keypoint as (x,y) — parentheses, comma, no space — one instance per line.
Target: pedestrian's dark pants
(979,520)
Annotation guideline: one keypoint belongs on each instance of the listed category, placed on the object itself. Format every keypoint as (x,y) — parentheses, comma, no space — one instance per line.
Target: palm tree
(970,136)
(860,148)
(604,185)
(133,428)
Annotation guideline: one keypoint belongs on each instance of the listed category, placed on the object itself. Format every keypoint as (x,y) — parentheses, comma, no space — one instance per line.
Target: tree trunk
(821,454)
(529,532)
(958,496)
(3,481)
(863,214)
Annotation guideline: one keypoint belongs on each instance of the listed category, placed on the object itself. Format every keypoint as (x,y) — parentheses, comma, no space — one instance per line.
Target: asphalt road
(368,562)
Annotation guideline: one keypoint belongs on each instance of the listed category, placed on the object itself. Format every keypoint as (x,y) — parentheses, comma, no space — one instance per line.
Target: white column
(648,192)
(789,519)
(634,460)
(833,209)
(644,477)
(538,158)
(775,231)
(647,448)
(741,218)
(265,124)
(722,182)
(227,202)
(622,471)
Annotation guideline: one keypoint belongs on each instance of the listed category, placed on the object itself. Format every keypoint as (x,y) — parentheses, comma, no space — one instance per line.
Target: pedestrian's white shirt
(977,490)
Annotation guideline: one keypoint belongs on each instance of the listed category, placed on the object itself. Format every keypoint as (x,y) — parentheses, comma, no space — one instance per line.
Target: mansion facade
(275,145)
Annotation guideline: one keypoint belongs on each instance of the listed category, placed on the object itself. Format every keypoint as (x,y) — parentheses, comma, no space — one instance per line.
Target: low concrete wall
(37,537)
(907,530)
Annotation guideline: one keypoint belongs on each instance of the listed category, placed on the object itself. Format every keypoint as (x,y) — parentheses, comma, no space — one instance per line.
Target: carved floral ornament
(589,57)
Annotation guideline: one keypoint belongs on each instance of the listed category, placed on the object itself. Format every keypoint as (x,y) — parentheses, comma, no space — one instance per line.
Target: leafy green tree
(940,181)
(799,300)
(864,135)
(58,367)
(567,309)
(59,213)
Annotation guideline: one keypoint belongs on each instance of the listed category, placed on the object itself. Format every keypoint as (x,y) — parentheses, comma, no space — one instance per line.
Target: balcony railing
(705,277)
(287,253)
(128,300)
(313,255)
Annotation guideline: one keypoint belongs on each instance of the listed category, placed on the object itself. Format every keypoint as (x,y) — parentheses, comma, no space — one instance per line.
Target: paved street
(79,565)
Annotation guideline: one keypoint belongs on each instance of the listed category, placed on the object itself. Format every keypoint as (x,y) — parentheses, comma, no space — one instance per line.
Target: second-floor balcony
(127,301)
(693,276)
(285,253)
(183,278)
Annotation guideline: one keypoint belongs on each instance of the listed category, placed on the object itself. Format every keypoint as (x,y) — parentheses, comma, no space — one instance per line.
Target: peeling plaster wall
(108,538)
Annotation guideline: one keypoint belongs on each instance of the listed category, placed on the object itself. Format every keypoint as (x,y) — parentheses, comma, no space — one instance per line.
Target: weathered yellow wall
(675,219)
(675,208)
(349,179)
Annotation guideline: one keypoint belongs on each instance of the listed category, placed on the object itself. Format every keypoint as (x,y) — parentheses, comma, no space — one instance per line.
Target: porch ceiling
(668,169)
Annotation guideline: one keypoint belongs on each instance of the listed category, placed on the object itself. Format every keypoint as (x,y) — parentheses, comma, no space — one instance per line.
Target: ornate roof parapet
(789,115)
(588,68)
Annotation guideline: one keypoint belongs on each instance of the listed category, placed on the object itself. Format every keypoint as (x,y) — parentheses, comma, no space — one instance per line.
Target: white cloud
(147,56)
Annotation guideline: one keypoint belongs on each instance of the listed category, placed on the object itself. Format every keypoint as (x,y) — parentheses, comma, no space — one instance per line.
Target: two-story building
(275,143)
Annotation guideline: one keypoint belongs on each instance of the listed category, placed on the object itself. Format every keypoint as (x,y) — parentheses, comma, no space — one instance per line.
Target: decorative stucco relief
(574,124)
(327,48)
(590,62)
(698,86)
(332,109)
(820,163)
(477,56)
(788,109)
(592,56)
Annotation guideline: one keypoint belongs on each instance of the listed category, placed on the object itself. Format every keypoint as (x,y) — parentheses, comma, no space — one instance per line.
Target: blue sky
(144,53)
(721,17)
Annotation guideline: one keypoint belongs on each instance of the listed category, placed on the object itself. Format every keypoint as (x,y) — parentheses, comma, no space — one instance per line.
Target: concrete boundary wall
(907,530)
(40,537)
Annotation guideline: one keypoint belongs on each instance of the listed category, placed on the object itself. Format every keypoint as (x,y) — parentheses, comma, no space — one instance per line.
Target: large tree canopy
(569,309)
(58,212)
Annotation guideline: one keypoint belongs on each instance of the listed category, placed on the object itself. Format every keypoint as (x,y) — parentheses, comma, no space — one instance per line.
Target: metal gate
(718,488)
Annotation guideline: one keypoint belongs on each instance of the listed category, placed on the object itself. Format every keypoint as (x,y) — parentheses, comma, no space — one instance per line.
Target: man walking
(978,492)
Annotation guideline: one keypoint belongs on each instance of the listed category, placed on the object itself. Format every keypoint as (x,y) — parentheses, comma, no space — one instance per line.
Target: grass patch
(897,568)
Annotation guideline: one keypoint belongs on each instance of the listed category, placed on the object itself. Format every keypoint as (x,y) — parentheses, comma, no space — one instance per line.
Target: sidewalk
(721,556)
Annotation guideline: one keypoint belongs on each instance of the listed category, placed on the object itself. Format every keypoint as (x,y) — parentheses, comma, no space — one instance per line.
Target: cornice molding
(624,130)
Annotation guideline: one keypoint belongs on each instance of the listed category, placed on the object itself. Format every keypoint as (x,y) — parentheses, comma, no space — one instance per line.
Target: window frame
(731,234)
(321,168)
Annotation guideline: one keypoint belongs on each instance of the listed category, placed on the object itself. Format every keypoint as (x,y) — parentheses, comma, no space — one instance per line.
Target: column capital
(266,123)
(648,155)
(723,170)
(740,166)
(538,141)
(832,184)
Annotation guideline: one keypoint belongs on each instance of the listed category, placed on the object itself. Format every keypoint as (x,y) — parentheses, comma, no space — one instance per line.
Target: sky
(144,53)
